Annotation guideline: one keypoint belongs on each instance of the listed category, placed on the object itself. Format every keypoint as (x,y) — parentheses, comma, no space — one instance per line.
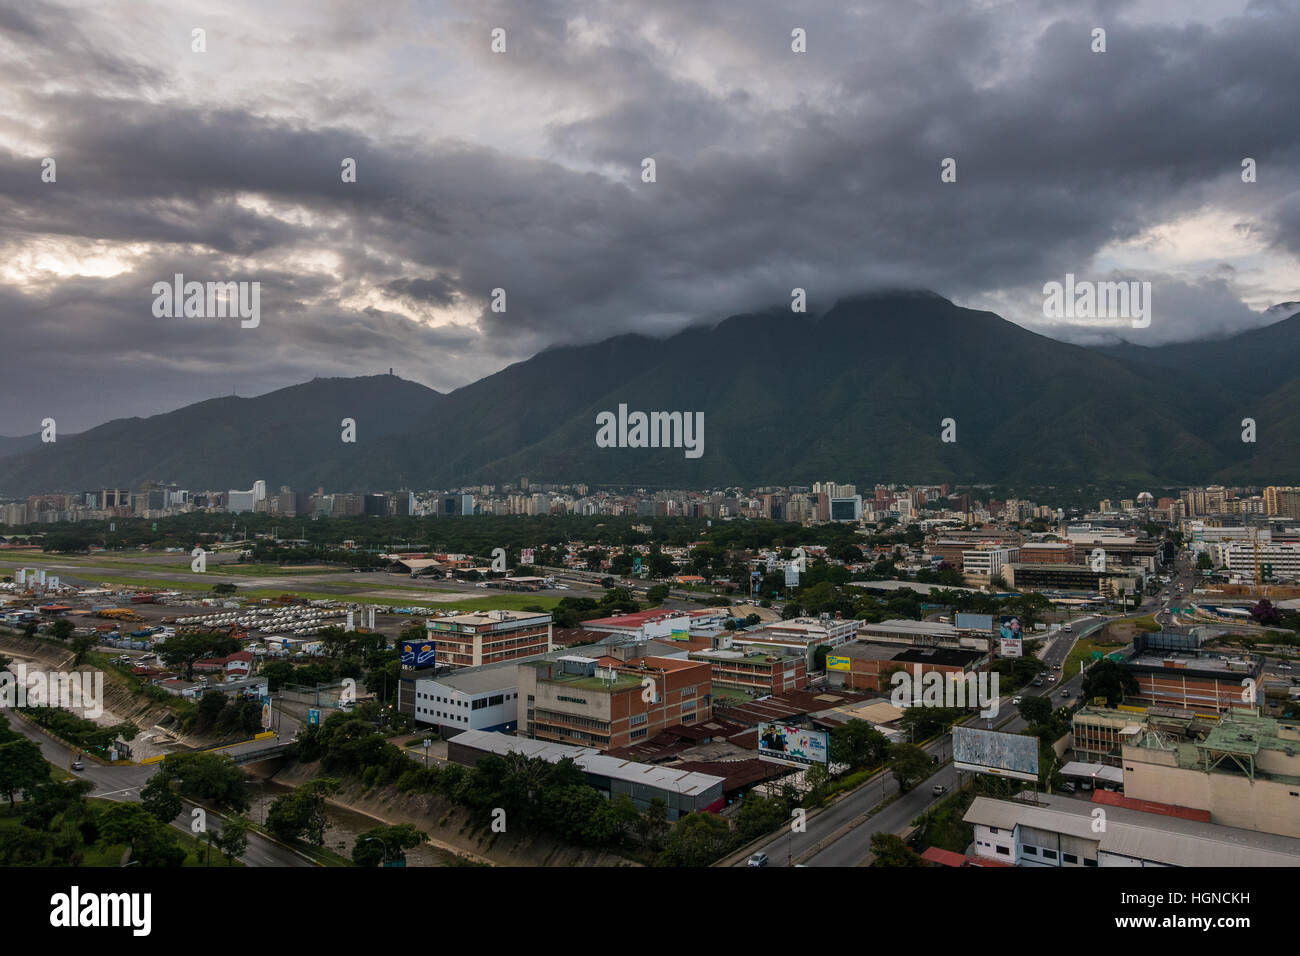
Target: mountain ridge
(859,389)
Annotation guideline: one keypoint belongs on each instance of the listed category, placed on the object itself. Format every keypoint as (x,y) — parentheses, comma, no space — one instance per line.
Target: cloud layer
(522,171)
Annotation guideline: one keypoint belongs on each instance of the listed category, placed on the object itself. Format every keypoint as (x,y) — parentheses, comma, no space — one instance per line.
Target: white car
(1016,700)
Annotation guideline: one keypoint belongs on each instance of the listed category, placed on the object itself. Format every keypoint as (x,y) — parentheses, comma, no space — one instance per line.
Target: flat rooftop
(920,628)
(734,654)
(480,618)
(1174,661)
(476,680)
(1149,836)
(938,656)
(633,620)
(618,681)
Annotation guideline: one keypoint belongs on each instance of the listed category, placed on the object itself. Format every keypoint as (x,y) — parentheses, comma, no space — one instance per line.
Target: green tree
(210,777)
(698,839)
(909,764)
(82,645)
(183,650)
(1035,710)
(301,815)
(208,710)
(158,847)
(888,849)
(857,744)
(759,815)
(21,768)
(158,797)
(125,823)
(1108,679)
(62,629)
(386,844)
(657,594)
(233,839)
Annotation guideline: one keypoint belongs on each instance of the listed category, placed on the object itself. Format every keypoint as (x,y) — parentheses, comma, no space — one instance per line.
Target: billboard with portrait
(782,743)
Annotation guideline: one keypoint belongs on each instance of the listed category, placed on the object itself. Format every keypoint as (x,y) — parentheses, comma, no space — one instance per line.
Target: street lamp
(382,843)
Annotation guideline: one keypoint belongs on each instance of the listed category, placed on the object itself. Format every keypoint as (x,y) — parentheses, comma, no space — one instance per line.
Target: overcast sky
(523,170)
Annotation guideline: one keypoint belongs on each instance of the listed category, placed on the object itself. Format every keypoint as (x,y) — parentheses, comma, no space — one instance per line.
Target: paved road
(124,783)
(853,847)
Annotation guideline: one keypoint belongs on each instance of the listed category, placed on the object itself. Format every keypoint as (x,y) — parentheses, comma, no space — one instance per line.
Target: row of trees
(57,826)
(79,731)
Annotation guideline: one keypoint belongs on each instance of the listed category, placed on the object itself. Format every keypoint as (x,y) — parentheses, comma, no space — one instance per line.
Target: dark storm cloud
(774,170)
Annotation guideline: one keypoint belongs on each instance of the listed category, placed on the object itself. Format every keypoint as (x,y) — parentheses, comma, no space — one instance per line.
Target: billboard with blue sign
(418,654)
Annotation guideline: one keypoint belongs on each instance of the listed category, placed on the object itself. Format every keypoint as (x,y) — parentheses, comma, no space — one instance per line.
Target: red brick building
(607,702)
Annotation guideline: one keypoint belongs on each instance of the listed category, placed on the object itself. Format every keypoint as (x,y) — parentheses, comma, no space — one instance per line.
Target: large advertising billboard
(419,654)
(996,753)
(1009,637)
(781,743)
(974,622)
(834,663)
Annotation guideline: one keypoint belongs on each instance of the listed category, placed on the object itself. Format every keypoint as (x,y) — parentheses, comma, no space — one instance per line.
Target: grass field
(1082,652)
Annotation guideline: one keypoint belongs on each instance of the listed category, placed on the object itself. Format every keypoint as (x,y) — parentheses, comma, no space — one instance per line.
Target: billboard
(418,654)
(526,556)
(1010,648)
(755,579)
(781,743)
(996,753)
(974,622)
(792,574)
(834,663)
(1009,628)
(266,712)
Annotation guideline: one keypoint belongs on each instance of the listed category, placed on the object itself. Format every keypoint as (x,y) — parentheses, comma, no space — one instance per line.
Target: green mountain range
(859,393)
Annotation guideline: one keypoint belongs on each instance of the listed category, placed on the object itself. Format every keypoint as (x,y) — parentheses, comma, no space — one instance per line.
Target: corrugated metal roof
(592,761)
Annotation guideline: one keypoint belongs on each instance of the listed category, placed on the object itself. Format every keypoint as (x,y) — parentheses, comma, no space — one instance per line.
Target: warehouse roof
(592,761)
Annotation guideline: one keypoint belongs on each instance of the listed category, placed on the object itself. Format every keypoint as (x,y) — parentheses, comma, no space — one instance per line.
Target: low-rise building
(871,664)
(640,625)
(1245,771)
(607,702)
(682,791)
(755,670)
(489,637)
(484,699)
(1059,831)
(1200,682)
(804,634)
